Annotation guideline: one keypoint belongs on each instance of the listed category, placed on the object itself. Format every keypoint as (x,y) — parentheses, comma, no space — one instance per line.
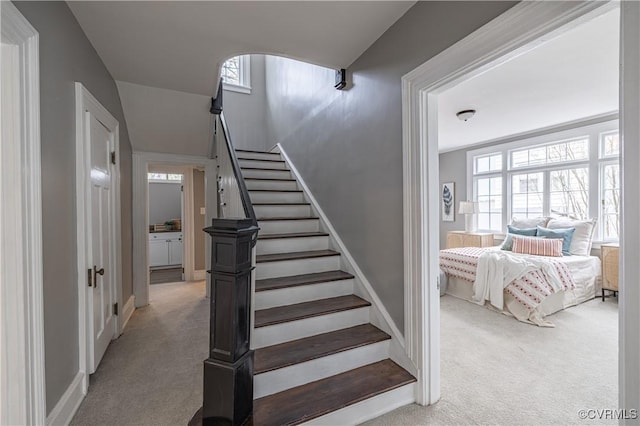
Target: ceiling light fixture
(466,114)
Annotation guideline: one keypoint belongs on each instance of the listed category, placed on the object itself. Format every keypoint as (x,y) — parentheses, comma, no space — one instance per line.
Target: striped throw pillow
(538,246)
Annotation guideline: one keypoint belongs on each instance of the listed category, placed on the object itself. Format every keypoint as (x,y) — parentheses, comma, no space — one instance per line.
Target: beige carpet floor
(152,374)
(498,371)
(495,370)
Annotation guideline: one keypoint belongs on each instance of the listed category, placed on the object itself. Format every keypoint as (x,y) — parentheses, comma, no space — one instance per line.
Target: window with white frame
(573,173)
(236,74)
(164,177)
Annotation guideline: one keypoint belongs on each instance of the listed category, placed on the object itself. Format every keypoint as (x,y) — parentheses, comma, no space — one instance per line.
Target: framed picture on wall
(448,202)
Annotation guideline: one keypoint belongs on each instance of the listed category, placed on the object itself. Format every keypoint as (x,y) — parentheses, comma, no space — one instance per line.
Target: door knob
(98,271)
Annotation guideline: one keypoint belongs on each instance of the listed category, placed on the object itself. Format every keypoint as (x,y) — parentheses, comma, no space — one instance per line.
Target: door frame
(86,102)
(518,30)
(142,161)
(22,371)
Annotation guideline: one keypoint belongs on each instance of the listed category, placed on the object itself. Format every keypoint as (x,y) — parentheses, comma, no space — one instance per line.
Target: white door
(102,294)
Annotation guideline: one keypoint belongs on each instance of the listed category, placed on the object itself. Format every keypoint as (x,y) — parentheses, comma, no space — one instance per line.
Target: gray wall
(66,56)
(198,219)
(165,202)
(245,113)
(453,168)
(348,145)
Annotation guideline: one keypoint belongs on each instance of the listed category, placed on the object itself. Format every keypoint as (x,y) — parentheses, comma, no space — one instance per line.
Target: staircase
(318,358)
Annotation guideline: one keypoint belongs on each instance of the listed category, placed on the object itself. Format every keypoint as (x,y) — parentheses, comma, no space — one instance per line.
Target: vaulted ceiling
(180,45)
(166,55)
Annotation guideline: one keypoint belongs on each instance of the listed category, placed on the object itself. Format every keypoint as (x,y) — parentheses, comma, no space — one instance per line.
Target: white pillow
(529,222)
(582,237)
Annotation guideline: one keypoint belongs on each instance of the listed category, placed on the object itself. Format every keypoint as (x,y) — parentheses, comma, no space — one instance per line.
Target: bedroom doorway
(500,41)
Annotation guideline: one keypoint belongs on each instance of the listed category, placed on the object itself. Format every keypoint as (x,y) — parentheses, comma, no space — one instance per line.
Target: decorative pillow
(507,244)
(565,234)
(538,246)
(583,236)
(529,222)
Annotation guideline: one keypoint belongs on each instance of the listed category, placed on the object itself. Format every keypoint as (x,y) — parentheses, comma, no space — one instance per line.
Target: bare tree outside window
(231,71)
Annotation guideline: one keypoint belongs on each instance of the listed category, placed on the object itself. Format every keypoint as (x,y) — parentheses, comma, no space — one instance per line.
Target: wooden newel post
(228,372)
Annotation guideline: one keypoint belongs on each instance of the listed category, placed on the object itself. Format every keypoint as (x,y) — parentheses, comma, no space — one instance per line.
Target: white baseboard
(127,311)
(199,275)
(387,324)
(66,408)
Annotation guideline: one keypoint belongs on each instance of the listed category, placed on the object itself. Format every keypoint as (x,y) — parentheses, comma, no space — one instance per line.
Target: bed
(528,287)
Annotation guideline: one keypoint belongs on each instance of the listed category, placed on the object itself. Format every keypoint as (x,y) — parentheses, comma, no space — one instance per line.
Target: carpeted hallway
(495,370)
(152,374)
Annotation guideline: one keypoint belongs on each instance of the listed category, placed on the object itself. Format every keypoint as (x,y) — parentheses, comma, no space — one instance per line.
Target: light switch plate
(202,210)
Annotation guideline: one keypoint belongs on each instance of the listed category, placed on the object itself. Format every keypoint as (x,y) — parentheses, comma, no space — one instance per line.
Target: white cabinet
(165,248)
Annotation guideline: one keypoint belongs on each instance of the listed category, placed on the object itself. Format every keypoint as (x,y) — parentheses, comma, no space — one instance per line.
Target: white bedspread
(497,269)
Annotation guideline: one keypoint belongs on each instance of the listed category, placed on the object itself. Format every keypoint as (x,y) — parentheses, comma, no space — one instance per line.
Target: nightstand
(610,256)
(457,239)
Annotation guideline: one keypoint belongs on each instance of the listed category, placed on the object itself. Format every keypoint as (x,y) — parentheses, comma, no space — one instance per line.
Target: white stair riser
(292,330)
(285,268)
(304,293)
(263,211)
(288,226)
(273,185)
(299,374)
(289,245)
(257,156)
(276,197)
(261,164)
(266,174)
(369,408)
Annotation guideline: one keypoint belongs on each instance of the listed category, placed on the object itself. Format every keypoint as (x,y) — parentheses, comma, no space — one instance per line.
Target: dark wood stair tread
(315,399)
(257,152)
(314,347)
(275,190)
(298,311)
(263,169)
(276,179)
(292,235)
(287,218)
(282,204)
(296,255)
(297,280)
(261,159)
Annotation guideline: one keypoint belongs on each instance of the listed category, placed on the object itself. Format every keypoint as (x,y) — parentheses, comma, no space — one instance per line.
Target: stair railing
(228,371)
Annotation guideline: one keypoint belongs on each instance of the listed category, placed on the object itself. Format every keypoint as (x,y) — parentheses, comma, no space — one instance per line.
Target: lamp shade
(468,207)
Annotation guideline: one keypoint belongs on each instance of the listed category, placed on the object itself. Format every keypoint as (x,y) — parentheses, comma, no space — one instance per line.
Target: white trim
(66,408)
(629,300)
(22,392)
(141,163)
(86,102)
(520,29)
(127,312)
(188,237)
(379,314)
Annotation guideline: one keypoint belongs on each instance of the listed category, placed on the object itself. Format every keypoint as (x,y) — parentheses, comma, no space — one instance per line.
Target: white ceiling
(568,78)
(180,45)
